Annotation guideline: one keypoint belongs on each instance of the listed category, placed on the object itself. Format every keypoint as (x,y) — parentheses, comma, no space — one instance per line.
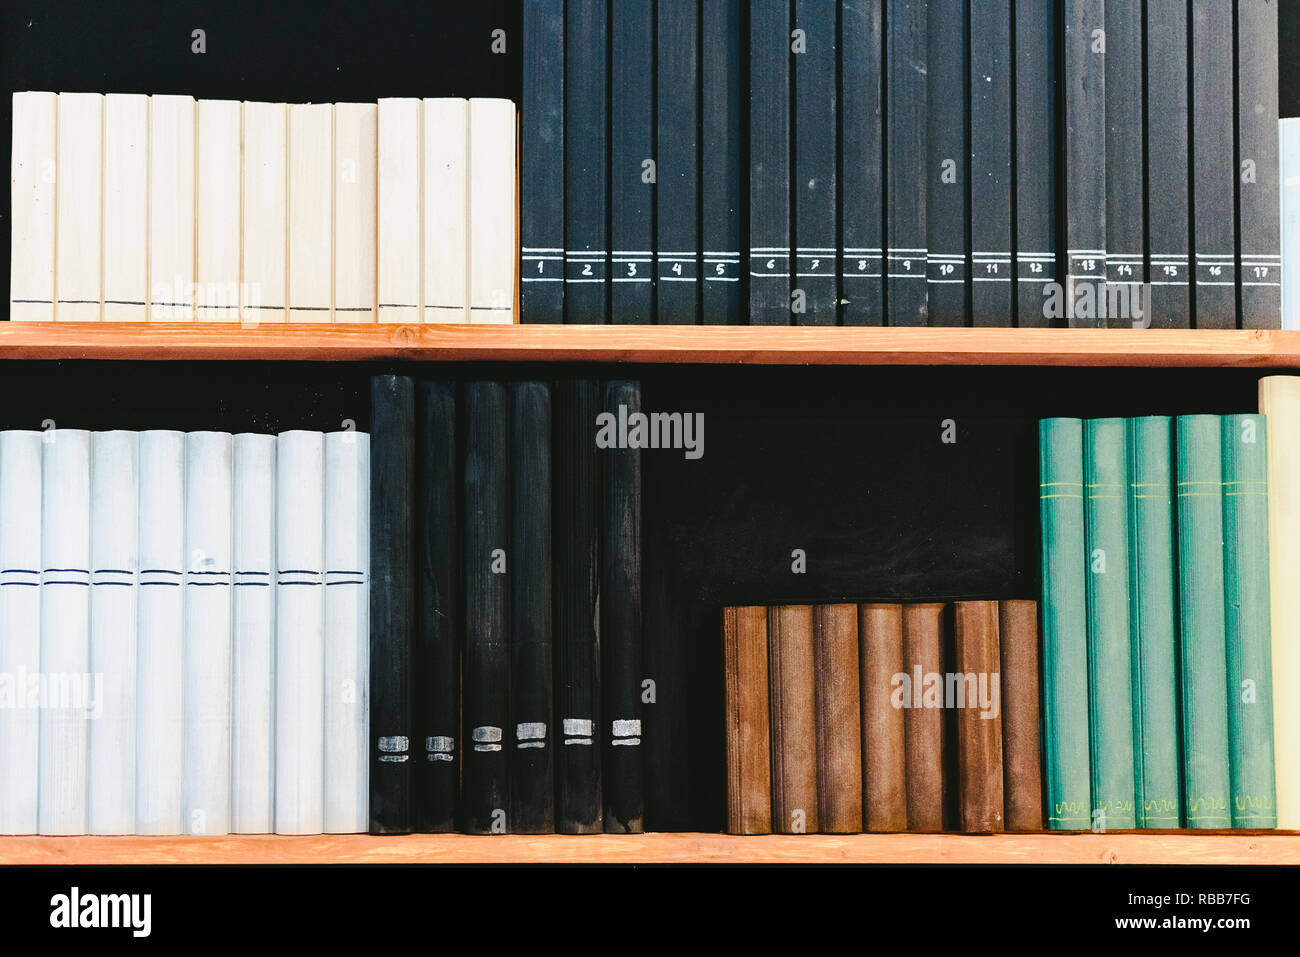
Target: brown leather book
(749,768)
(923,716)
(880,630)
(978,707)
(1022,768)
(791,678)
(839,738)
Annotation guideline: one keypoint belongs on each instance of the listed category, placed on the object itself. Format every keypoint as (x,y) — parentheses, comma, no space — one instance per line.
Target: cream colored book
(446,211)
(399,271)
(217,280)
(311,218)
(77,231)
(263,288)
(126,207)
(32,181)
(493,250)
(355,184)
(171,208)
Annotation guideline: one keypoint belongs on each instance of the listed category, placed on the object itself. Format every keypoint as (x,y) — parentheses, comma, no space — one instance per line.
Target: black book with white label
(814,57)
(905,136)
(1214,180)
(1036,157)
(586,176)
(722,201)
(991,218)
(1259,264)
(541,188)
(948,201)
(1085,159)
(1167,172)
(631,173)
(769,163)
(677,195)
(1125,199)
(862,228)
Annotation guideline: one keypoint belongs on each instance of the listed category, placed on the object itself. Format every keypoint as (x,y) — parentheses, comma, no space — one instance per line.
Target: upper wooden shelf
(781,345)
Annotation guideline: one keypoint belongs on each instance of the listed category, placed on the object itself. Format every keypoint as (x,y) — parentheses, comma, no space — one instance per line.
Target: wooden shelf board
(782,345)
(1119,848)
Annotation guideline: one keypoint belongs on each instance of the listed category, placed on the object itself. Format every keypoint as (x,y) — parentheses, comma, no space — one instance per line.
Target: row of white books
(129,207)
(184,632)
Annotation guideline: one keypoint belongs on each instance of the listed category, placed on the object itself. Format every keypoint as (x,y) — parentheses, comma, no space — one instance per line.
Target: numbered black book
(906,44)
(1259,231)
(1125,199)
(769,163)
(392,601)
(532,777)
(1168,174)
(816,292)
(485,784)
(1214,180)
(862,223)
(631,173)
(1085,156)
(1036,157)
(577,495)
(541,212)
(722,202)
(586,177)
(948,201)
(677,195)
(436,681)
(991,216)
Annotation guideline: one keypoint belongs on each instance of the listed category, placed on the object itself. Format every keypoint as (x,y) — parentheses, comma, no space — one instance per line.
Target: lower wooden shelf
(1162,847)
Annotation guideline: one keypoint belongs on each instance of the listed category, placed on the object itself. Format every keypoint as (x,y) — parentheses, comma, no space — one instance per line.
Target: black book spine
(722,201)
(862,224)
(392,601)
(532,776)
(485,797)
(769,162)
(1035,158)
(677,196)
(1259,262)
(991,215)
(1125,197)
(631,170)
(906,40)
(1085,158)
(437,652)
(947,202)
(586,177)
(1168,223)
(816,233)
(577,495)
(1214,180)
(541,213)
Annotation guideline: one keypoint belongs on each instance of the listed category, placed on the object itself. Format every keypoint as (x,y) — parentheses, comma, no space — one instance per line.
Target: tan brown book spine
(977,701)
(1022,766)
(749,766)
(791,677)
(923,716)
(839,736)
(884,740)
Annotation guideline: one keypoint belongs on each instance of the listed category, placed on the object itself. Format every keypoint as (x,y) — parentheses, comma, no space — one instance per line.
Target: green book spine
(1202,652)
(1110,691)
(1152,621)
(1065,630)
(1246,613)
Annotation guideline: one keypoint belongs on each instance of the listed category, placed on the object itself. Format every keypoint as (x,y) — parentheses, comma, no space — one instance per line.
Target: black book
(620,623)
(1085,159)
(906,41)
(577,497)
(722,200)
(631,165)
(438,638)
(485,785)
(816,286)
(677,195)
(1214,180)
(532,778)
(392,601)
(769,162)
(947,202)
(1125,199)
(586,137)
(541,174)
(991,217)
(1168,175)
(862,224)
(1259,228)
(1036,161)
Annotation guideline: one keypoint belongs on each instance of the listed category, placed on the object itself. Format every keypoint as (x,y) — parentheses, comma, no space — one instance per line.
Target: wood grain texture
(884,746)
(791,678)
(925,737)
(749,764)
(979,716)
(839,735)
(1022,765)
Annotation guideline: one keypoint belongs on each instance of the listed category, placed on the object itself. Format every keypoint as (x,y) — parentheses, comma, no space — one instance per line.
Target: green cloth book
(1246,614)
(1064,618)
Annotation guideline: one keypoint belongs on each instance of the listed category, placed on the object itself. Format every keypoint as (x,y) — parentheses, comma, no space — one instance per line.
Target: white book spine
(446,210)
(263,287)
(171,208)
(355,153)
(347,632)
(252,759)
(126,207)
(205,790)
(71,695)
(400,201)
(493,247)
(1289,136)
(114,537)
(218,227)
(311,216)
(32,185)
(79,203)
(160,633)
(20,628)
(299,634)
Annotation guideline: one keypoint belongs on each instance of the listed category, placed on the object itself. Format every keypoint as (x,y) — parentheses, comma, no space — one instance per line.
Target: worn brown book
(791,678)
(1022,768)
(749,766)
(880,630)
(839,738)
(923,717)
(977,703)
